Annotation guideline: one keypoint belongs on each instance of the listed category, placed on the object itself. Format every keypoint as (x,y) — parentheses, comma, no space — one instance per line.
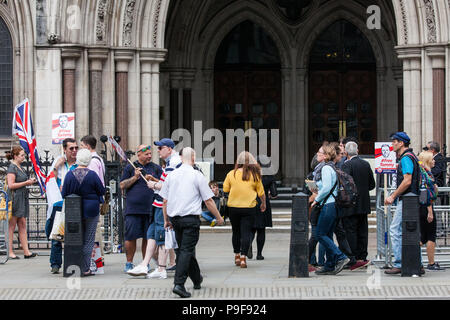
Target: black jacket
(362,174)
(439,169)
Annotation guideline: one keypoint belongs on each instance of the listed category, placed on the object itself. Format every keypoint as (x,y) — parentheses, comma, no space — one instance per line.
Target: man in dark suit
(355,219)
(439,163)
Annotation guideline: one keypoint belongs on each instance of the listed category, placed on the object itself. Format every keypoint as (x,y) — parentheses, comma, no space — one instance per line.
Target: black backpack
(347,191)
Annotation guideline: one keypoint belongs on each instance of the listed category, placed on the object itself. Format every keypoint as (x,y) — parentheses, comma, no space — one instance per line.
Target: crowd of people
(176,196)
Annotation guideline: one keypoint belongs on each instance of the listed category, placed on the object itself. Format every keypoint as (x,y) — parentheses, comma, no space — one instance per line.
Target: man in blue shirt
(407,181)
(139,199)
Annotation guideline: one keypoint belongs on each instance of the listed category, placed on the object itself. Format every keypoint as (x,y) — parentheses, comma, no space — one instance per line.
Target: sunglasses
(73,148)
(145,149)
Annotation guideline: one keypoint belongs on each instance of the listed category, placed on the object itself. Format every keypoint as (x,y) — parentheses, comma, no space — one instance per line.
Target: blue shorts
(156,230)
(135,226)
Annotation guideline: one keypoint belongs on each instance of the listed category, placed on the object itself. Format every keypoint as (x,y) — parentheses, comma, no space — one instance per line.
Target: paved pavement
(266,279)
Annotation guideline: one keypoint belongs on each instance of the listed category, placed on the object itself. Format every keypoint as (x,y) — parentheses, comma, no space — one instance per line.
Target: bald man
(139,199)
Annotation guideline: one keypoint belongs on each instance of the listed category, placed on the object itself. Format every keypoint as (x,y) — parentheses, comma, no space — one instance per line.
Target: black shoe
(32,255)
(250,252)
(259,257)
(340,265)
(322,271)
(422,271)
(181,291)
(55,270)
(198,286)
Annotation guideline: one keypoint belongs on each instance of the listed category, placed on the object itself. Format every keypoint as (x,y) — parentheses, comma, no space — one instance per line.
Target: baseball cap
(165,142)
(401,136)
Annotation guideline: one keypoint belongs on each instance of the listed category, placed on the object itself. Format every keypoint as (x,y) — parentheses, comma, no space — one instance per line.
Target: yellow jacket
(242,193)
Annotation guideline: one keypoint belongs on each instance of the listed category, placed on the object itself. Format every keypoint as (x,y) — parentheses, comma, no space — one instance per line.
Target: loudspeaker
(298,254)
(73,238)
(410,235)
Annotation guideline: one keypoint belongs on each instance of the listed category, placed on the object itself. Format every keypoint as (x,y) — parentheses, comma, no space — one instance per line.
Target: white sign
(385,158)
(63,126)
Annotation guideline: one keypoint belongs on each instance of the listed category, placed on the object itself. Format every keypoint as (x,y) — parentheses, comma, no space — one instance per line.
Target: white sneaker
(157,274)
(139,270)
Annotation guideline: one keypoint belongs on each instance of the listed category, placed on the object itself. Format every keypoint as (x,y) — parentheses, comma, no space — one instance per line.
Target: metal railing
(384,245)
(111,223)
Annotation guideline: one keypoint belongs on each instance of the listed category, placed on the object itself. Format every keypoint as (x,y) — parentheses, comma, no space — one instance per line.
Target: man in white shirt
(183,192)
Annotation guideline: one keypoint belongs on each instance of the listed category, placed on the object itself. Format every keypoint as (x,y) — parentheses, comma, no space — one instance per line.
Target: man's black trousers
(357,231)
(187,232)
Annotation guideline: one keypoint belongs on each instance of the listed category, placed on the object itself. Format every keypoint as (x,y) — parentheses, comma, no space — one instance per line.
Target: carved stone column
(96,60)
(69,57)
(412,75)
(150,61)
(122,59)
(437,55)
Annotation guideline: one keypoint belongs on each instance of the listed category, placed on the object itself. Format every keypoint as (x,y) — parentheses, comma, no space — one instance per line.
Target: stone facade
(115,63)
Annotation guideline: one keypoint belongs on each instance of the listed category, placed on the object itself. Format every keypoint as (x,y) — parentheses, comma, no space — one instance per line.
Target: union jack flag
(23,128)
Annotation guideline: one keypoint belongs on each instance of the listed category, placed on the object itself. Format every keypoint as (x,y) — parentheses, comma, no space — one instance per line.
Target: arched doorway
(6,80)
(247,84)
(342,88)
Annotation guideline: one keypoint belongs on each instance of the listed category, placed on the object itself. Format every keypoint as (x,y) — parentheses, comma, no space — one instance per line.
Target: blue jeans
(56,248)
(324,231)
(396,235)
(208,216)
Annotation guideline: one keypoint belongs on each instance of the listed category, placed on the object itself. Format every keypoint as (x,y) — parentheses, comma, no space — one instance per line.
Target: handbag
(315,212)
(104,207)
(170,240)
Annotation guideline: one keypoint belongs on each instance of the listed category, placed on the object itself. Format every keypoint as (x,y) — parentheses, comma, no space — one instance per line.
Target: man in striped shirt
(156,232)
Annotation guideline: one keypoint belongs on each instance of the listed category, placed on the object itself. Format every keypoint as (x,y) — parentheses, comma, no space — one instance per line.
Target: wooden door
(243,100)
(342,104)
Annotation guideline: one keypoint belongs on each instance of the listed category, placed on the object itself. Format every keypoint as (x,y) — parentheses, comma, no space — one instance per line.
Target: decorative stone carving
(128,22)
(404,20)
(53,38)
(292,11)
(102,10)
(155,23)
(41,22)
(431,20)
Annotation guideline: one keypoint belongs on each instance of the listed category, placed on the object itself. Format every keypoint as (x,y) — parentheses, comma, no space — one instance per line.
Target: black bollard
(298,254)
(410,236)
(73,237)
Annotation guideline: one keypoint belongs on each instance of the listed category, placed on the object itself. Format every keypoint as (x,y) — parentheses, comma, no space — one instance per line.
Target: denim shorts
(156,230)
(136,226)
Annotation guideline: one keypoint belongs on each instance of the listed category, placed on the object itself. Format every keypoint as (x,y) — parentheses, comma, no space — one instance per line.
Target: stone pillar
(122,59)
(96,59)
(383,121)
(412,75)
(69,57)
(150,61)
(437,55)
(302,108)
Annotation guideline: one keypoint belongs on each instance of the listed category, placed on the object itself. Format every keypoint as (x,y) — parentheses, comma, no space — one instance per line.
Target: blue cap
(165,142)
(401,136)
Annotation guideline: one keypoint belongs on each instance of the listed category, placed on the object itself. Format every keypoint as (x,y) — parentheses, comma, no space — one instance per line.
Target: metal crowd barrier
(4,225)
(384,245)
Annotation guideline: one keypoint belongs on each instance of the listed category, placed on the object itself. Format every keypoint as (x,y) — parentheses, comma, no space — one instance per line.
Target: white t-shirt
(185,189)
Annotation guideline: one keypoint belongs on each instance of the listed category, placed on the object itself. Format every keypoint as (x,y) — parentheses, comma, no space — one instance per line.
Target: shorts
(427,230)
(136,226)
(156,229)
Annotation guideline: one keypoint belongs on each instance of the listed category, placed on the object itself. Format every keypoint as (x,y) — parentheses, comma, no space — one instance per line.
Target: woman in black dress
(263,219)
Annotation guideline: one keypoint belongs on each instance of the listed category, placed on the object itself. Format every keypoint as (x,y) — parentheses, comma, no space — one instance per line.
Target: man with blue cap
(408,179)
(156,232)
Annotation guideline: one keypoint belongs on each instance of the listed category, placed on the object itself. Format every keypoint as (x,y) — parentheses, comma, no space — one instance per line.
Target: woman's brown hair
(15,151)
(249,165)
(329,152)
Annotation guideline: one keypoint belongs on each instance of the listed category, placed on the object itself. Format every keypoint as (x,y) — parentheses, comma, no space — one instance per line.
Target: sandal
(15,258)
(32,255)
(243,263)
(237,260)
(89,273)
